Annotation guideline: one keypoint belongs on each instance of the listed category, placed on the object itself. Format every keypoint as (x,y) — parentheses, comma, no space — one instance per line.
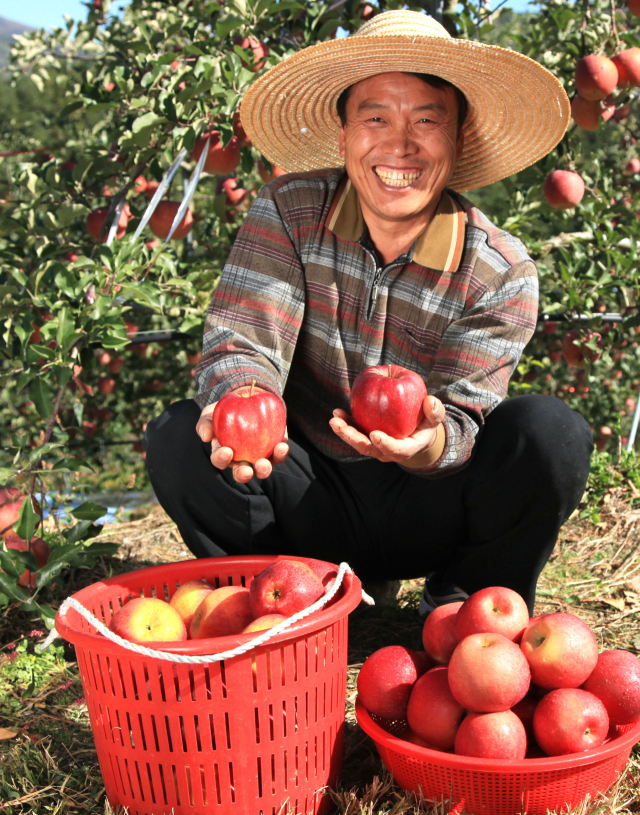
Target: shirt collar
(439,247)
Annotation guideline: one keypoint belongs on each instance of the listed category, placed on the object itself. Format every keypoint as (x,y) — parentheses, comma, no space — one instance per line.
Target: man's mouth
(397,178)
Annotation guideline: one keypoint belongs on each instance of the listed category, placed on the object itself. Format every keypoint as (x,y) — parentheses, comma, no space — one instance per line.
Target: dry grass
(50,765)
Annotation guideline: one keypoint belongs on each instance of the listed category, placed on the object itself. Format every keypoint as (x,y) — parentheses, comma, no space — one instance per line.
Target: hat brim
(518,110)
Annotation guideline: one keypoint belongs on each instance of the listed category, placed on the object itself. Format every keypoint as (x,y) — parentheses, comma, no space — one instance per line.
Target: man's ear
(341,142)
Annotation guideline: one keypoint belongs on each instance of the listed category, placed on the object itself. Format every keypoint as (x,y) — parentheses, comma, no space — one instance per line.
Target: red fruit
(97,217)
(496,610)
(388,398)
(276,172)
(115,366)
(386,680)
(491,735)
(40,551)
(150,189)
(235,194)
(106,384)
(585,113)
(607,108)
(263,623)
(148,619)
(596,76)
(325,572)
(219,161)
(222,613)
(251,422)
(161,221)
(11,501)
(634,7)
(141,185)
(260,52)
(549,327)
(606,431)
(439,637)
(616,682)
(570,720)
(525,710)
(633,166)
(239,131)
(433,712)
(284,587)
(563,189)
(627,63)
(575,350)
(194,359)
(103,358)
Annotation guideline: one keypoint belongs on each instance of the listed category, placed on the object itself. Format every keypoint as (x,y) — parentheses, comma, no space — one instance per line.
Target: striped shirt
(303,305)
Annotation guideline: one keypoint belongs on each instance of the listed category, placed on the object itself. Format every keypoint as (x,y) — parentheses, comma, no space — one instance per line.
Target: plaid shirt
(303,305)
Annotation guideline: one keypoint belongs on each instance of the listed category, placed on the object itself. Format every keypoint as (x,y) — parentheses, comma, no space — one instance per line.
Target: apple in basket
(439,636)
(148,619)
(496,609)
(433,713)
(386,680)
(561,650)
(616,682)
(492,735)
(284,587)
(222,613)
(570,720)
(188,597)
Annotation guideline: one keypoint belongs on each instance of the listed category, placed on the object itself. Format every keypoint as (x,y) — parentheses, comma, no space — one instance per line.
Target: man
(379,261)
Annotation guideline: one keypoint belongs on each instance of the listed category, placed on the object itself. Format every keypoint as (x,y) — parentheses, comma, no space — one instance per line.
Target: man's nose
(401,142)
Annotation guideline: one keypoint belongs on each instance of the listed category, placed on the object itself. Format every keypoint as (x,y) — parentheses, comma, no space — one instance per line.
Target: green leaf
(72,465)
(27,521)
(70,108)
(9,565)
(12,589)
(40,395)
(148,120)
(88,511)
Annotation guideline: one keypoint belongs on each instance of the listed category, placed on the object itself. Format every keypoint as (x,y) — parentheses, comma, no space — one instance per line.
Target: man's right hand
(222,457)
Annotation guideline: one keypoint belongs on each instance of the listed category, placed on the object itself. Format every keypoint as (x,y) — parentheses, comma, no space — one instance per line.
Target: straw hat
(518,111)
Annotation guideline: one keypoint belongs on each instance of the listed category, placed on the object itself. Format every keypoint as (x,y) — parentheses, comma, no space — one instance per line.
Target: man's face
(400,144)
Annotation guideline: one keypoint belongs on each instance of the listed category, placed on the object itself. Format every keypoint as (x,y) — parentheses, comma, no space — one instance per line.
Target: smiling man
(365,255)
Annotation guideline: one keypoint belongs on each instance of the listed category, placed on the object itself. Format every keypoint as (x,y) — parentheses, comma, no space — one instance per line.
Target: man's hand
(222,457)
(385,448)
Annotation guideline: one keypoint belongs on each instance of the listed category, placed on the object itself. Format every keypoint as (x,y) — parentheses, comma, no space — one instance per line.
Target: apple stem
(253,383)
(389,369)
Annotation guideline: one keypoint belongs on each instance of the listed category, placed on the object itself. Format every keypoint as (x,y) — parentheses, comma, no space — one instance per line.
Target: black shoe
(437,594)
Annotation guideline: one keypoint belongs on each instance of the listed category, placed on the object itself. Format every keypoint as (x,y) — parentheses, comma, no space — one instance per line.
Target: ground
(47,759)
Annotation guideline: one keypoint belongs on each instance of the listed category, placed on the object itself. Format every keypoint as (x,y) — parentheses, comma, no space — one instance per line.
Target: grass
(47,758)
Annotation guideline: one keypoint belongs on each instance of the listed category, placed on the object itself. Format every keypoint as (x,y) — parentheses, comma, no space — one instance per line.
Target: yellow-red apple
(627,63)
(222,613)
(496,609)
(433,712)
(492,735)
(386,680)
(616,682)
(439,636)
(148,619)
(188,597)
(488,673)
(585,113)
(263,623)
(596,76)
(561,651)
(570,720)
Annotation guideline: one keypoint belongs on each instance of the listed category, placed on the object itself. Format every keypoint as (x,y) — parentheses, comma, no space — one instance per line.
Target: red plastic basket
(498,787)
(259,734)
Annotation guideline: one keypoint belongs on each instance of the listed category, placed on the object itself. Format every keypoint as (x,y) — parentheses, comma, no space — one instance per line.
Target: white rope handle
(205,658)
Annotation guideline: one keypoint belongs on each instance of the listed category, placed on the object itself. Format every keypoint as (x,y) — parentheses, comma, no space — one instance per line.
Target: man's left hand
(386,448)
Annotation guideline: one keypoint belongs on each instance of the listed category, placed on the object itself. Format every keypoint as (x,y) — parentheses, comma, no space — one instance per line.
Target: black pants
(495,523)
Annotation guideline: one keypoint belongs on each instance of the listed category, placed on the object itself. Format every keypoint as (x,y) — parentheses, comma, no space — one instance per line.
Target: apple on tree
(40,550)
(388,398)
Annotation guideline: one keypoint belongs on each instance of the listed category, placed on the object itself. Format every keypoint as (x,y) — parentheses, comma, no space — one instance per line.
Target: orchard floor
(47,759)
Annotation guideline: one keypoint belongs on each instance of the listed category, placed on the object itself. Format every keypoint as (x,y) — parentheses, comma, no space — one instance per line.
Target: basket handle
(333,587)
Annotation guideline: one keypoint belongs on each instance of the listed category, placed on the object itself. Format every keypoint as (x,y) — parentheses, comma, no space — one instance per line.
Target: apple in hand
(616,682)
(439,636)
(561,650)
(491,735)
(148,619)
(284,587)
(386,680)
(188,597)
(497,610)
(570,720)
(433,712)
(488,673)
(251,422)
(222,613)
(388,398)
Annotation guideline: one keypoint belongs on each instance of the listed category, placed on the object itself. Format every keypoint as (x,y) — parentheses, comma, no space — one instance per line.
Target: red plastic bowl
(499,787)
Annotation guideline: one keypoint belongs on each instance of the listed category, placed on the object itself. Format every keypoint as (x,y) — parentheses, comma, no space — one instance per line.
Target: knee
(173,430)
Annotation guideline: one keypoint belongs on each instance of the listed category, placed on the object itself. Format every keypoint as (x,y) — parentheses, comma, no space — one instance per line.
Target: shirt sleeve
(476,358)
(254,318)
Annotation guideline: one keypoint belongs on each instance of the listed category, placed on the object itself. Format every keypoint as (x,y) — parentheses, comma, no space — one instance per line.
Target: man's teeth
(396,178)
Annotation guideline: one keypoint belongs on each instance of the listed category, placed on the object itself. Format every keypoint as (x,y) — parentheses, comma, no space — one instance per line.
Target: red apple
(627,63)
(524,710)
(161,221)
(235,194)
(575,350)
(284,587)
(414,738)
(222,613)
(488,673)
(561,650)
(106,384)
(596,76)
(433,712)
(239,131)
(326,572)
(251,422)
(219,161)
(10,505)
(188,597)
(634,7)
(276,172)
(148,619)
(40,551)
(388,398)
(616,682)
(633,166)
(263,623)
(439,636)
(386,680)
(570,720)
(496,609)
(115,366)
(491,735)
(585,113)
(97,217)
(563,189)
(260,52)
